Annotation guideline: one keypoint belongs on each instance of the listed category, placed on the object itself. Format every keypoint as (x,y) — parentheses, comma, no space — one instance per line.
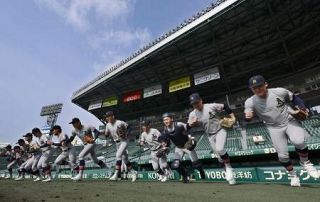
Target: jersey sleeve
(73,134)
(216,107)
(95,132)
(106,131)
(183,125)
(248,105)
(284,93)
(124,124)
(142,138)
(157,133)
(191,116)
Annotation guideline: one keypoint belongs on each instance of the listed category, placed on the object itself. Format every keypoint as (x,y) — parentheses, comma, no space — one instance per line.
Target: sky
(50,48)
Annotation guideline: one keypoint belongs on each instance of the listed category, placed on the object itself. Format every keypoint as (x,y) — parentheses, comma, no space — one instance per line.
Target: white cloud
(121,38)
(80,13)
(106,26)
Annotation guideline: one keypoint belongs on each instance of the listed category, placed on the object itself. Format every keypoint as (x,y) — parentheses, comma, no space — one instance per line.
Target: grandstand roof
(239,37)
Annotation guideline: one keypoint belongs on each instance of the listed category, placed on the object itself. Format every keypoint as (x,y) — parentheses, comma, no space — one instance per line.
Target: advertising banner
(179,84)
(152,91)
(206,76)
(95,105)
(132,96)
(111,101)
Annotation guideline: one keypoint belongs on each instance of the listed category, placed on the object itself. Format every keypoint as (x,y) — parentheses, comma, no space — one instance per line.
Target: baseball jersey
(9,155)
(209,117)
(84,131)
(273,109)
(25,151)
(177,133)
(151,138)
(113,130)
(64,145)
(33,147)
(43,143)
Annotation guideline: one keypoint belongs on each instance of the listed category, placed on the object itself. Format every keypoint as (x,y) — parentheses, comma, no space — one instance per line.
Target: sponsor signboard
(152,91)
(111,101)
(206,76)
(95,105)
(132,96)
(179,84)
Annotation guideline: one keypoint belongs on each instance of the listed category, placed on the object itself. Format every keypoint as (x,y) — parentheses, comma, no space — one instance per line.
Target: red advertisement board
(132,96)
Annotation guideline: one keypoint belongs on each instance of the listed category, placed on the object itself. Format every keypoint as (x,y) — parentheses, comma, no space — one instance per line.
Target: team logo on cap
(254,81)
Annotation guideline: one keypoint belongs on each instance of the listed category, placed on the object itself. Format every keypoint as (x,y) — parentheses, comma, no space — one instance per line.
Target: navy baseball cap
(75,120)
(36,130)
(194,98)
(20,141)
(56,127)
(167,114)
(256,81)
(28,135)
(145,123)
(109,113)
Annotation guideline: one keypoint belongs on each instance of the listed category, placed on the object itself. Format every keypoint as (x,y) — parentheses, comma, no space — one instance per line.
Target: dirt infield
(102,190)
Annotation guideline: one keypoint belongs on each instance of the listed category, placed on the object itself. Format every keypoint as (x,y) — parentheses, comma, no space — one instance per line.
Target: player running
(177,132)
(68,151)
(210,117)
(9,155)
(18,157)
(273,107)
(119,132)
(159,153)
(32,150)
(88,135)
(46,149)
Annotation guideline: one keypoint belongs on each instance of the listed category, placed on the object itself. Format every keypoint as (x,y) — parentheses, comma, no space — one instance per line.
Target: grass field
(152,191)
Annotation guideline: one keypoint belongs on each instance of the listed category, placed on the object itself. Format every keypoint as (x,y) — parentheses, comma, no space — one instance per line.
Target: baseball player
(177,132)
(273,107)
(210,117)
(88,135)
(119,132)
(8,154)
(150,137)
(25,158)
(47,150)
(32,150)
(19,158)
(67,148)
(124,171)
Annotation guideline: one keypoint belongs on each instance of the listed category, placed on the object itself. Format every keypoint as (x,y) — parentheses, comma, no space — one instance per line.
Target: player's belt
(215,132)
(117,141)
(65,150)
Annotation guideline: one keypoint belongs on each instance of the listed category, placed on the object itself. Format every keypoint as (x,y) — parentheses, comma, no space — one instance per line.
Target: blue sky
(50,48)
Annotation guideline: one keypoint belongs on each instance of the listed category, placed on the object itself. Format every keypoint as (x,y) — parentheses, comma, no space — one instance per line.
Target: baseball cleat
(37,179)
(8,177)
(49,179)
(312,171)
(295,181)
(114,177)
(77,178)
(232,182)
(19,178)
(229,174)
(160,177)
(102,164)
(134,175)
(186,180)
(164,178)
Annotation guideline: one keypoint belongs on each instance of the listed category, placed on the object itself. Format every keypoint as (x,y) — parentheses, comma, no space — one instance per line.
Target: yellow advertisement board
(111,101)
(179,84)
